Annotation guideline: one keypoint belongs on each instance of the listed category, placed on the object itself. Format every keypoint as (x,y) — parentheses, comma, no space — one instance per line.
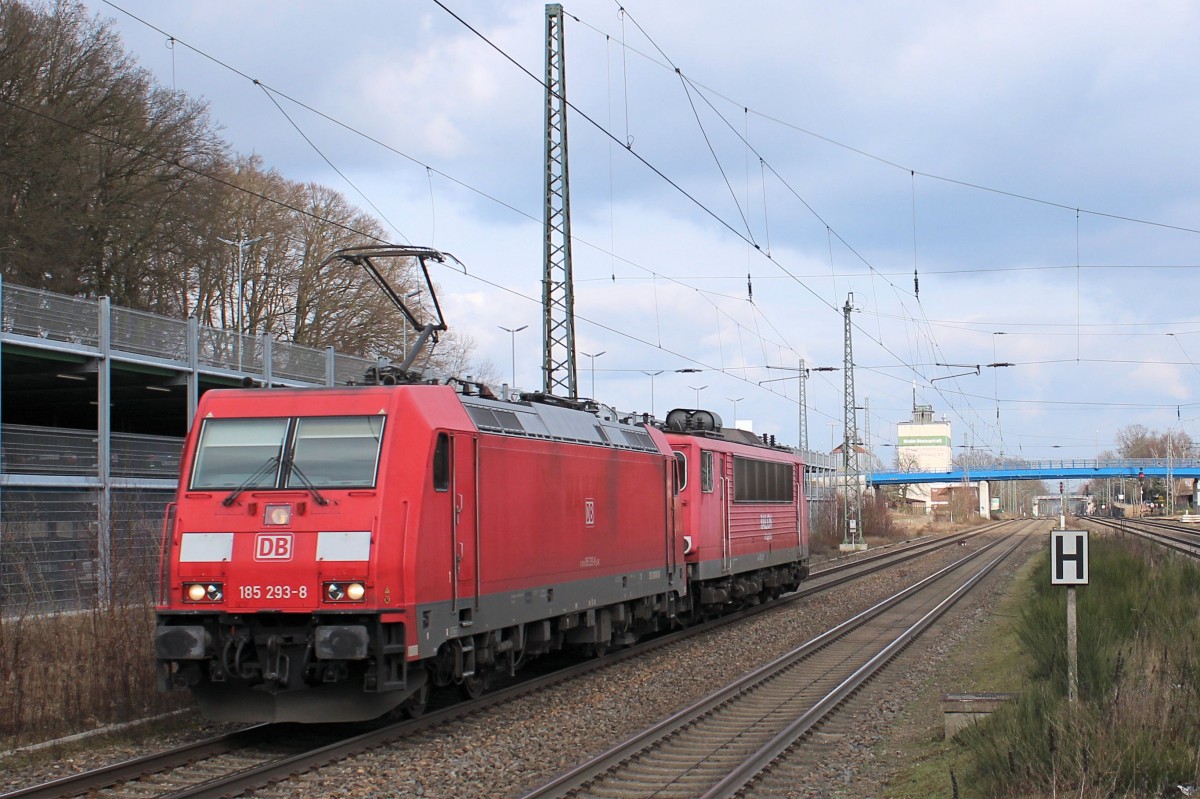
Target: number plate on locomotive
(272,592)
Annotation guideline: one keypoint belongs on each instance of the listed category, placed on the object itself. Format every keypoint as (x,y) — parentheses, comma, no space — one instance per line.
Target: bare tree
(111,185)
(98,164)
(1136,441)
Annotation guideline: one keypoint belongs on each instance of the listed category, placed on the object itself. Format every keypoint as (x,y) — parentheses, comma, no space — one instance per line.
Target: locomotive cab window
(233,452)
(303,452)
(335,451)
(706,471)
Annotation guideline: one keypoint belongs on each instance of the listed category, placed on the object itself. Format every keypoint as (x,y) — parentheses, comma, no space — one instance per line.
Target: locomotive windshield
(302,452)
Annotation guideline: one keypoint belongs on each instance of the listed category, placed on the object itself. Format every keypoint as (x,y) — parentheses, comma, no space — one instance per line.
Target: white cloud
(1081,105)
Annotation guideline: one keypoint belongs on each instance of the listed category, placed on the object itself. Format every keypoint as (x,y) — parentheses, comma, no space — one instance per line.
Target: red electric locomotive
(743,514)
(333,553)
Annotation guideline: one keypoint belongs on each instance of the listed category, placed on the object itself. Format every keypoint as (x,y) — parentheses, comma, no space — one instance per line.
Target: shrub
(1133,731)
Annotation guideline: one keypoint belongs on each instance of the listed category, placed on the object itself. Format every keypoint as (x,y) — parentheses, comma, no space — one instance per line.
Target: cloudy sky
(737,175)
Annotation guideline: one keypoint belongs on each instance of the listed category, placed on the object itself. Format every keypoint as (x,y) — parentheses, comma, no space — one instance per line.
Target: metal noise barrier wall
(50,549)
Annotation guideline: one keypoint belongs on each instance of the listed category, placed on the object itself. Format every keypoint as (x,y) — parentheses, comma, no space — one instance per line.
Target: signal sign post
(1069,567)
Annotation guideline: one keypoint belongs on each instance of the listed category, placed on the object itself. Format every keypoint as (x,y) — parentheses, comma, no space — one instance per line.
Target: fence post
(103,451)
(193,362)
(330,372)
(3,466)
(268,355)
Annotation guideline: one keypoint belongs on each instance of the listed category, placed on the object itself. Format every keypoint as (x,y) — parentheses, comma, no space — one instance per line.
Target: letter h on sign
(1069,557)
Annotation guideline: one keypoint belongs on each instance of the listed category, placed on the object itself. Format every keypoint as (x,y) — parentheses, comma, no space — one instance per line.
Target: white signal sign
(1069,557)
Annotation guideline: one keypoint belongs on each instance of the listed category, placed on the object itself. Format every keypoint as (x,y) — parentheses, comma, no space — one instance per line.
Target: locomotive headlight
(345,591)
(204,592)
(277,515)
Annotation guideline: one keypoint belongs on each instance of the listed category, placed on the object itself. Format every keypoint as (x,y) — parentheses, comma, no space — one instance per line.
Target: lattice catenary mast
(803,407)
(558,294)
(851,469)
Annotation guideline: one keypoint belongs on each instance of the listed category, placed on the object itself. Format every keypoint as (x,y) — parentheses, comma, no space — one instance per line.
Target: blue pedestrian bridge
(1073,469)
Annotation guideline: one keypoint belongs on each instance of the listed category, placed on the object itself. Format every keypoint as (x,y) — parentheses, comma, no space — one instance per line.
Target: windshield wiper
(304,481)
(249,482)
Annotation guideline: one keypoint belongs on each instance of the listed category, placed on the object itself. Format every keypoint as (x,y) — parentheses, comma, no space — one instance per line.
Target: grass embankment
(1134,731)
(64,673)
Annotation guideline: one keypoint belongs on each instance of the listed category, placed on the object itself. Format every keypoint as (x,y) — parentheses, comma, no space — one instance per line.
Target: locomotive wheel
(414,706)
(473,687)
(442,672)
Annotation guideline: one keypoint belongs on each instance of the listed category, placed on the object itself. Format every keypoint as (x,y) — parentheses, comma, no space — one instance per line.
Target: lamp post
(513,331)
(697,389)
(735,402)
(593,364)
(652,375)
(241,245)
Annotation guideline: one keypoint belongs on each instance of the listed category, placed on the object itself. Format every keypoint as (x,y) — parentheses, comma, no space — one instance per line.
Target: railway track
(746,731)
(233,764)
(200,761)
(1167,534)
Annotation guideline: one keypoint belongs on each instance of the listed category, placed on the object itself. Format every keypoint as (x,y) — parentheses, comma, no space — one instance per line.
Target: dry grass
(64,672)
(1133,731)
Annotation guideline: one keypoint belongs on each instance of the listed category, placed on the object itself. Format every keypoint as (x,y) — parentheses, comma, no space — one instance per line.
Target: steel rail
(629,749)
(1188,547)
(107,776)
(767,754)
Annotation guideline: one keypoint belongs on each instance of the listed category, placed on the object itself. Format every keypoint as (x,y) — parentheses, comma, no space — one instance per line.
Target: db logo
(589,512)
(273,546)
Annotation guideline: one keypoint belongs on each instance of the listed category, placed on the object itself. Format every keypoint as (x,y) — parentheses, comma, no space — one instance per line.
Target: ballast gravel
(510,749)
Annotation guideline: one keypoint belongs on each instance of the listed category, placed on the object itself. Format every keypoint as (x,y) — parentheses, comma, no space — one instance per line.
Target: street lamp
(513,331)
(735,402)
(697,390)
(241,245)
(593,363)
(652,375)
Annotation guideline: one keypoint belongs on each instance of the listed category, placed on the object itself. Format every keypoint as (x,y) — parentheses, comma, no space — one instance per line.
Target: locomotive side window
(336,451)
(233,451)
(762,481)
(706,471)
(441,463)
(681,470)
